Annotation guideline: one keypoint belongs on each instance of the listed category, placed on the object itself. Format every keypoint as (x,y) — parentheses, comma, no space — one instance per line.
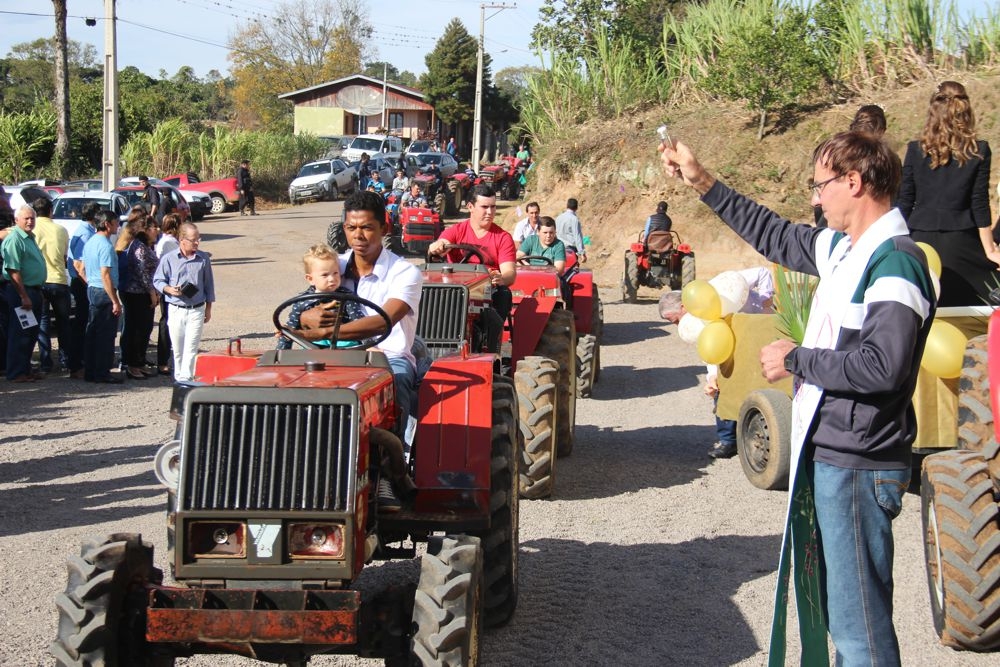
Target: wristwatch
(790,360)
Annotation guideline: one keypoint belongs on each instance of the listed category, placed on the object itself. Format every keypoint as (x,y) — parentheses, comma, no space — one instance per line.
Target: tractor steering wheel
(326,297)
(470,251)
(526,260)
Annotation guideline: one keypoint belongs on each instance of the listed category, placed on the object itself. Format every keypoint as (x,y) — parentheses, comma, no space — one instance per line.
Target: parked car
(373,144)
(25,194)
(323,180)
(337,145)
(416,163)
(67,208)
(133,193)
(419,146)
(87,184)
(223,191)
(385,167)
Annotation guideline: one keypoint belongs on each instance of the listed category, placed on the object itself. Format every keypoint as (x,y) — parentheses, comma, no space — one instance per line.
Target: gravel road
(647,554)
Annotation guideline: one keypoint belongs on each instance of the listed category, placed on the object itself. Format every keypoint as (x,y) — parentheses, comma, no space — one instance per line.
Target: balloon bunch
(707,303)
(945,348)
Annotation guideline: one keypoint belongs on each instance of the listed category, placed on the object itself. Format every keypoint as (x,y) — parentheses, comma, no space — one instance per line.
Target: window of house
(395,121)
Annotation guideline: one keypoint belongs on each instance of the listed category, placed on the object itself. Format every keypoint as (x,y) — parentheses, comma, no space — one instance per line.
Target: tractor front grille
(429,230)
(267,456)
(443,312)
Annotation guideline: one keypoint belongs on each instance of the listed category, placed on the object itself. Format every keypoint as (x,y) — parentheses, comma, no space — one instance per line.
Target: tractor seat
(660,242)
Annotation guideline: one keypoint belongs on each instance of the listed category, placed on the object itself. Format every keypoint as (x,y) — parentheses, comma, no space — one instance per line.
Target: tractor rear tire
(102,613)
(687,269)
(335,236)
(630,281)
(597,328)
(535,380)
(961,523)
(763,438)
(975,409)
(448,602)
(586,364)
(500,542)
(454,203)
(440,201)
(557,343)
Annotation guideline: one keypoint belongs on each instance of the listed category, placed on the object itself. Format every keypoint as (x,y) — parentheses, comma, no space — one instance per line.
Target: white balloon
(689,328)
(733,291)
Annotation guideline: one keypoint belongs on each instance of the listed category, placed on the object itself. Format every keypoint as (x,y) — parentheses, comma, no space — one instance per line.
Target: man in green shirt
(544,244)
(25,274)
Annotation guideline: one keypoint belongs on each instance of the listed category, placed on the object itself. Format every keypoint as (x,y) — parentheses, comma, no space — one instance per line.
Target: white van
(373,144)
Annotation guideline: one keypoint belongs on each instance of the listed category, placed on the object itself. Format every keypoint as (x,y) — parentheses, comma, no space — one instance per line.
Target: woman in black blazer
(945,197)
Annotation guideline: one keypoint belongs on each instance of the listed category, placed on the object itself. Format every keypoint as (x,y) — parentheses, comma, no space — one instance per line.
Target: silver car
(322,180)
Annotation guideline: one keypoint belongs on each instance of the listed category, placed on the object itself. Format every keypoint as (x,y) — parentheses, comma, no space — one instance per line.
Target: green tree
(570,27)
(376,68)
(27,74)
(513,83)
(449,84)
(776,62)
(314,42)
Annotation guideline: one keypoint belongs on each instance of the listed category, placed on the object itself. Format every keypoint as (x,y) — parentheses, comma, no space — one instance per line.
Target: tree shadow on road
(625,333)
(642,604)
(619,382)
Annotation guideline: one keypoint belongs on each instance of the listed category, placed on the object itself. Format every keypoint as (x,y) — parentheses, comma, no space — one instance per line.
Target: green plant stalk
(792,302)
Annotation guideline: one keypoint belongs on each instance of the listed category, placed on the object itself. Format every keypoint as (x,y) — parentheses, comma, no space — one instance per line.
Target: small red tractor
(960,492)
(536,347)
(445,196)
(659,261)
(419,227)
(273,513)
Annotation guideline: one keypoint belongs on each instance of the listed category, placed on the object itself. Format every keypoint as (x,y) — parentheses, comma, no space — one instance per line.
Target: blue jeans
(725,429)
(20,341)
(57,296)
(854,513)
(405,379)
(78,330)
(102,325)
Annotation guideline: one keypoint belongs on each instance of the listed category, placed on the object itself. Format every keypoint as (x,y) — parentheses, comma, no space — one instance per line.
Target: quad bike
(272,515)
(659,261)
(536,348)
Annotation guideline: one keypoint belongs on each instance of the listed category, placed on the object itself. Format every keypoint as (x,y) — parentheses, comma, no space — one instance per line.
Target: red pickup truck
(223,192)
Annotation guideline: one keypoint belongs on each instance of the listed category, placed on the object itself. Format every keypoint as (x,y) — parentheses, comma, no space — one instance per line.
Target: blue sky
(166,34)
(156,35)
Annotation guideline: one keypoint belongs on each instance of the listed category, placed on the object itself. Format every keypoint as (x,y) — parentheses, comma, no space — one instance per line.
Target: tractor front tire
(557,343)
(448,602)
(961,523)
(335,236)
(630,281)
(535,380)
(763,438)
(102,613)
(687,269)
(586,364)
(500,542)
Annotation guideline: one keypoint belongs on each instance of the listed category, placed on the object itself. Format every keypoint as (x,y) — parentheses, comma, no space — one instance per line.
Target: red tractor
(419,228)
(445,196)
(536,347)
(960,490)
(658,261)
(273,515)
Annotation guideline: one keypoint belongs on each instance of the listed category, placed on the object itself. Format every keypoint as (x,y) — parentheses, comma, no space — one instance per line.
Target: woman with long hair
(136,265)
(945,197)
(166,243)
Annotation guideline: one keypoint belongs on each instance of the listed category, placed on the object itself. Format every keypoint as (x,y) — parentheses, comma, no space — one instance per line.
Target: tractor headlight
(316,540)
(167,464)
(216,539)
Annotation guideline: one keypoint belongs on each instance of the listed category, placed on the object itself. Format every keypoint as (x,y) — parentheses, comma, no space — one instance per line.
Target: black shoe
(387,499)
(722,451)
(111,379)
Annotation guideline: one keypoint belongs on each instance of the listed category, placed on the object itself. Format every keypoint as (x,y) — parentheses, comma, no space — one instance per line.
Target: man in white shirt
(569,231)
(528,226)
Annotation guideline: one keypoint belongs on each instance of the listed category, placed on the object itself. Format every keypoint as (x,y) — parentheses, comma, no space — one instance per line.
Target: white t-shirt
(165,244)
(522,230)
(392,278)
(761,289)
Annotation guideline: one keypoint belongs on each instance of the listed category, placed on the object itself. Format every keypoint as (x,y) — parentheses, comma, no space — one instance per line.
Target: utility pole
(109,162)
(385,76)
(477,122)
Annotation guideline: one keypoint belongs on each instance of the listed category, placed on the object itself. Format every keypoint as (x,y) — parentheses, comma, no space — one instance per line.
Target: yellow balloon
(716,342)
(933,259)
(701,300)
(944,350)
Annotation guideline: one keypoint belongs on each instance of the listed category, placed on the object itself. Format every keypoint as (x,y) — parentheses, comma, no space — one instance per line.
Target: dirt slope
(612,169)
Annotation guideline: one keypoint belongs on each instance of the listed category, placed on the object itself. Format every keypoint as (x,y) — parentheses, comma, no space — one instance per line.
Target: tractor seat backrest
(660,242)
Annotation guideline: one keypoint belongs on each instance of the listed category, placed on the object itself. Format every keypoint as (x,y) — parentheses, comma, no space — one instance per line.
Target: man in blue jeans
(853,423)
(101,268)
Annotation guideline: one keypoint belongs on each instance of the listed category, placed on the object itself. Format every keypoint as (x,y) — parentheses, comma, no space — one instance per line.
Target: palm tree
(63,154)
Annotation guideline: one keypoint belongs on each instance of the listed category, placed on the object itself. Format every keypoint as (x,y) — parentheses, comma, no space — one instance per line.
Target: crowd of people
(105,282)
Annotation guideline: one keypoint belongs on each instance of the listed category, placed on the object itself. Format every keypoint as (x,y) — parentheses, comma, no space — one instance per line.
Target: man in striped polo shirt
(852,419)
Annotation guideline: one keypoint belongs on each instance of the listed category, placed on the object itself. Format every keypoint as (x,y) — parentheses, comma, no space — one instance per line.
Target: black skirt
(967,276)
